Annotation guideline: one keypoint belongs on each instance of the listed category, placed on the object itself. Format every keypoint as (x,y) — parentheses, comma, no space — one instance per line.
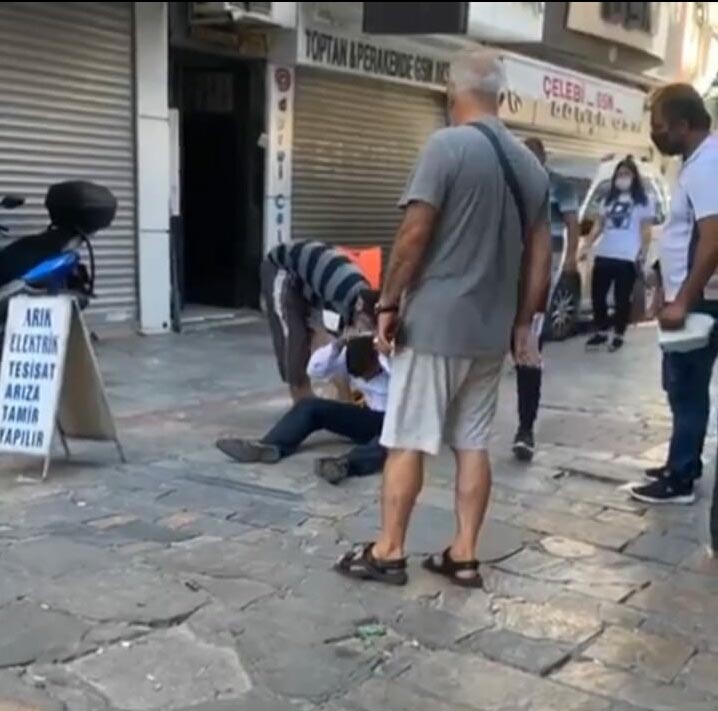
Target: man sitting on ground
(299,281)
(369,375)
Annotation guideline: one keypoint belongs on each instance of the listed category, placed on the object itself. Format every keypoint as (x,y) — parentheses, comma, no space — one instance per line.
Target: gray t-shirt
(464,301)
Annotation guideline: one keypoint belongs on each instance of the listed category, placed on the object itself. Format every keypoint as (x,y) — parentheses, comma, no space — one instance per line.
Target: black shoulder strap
(509,175)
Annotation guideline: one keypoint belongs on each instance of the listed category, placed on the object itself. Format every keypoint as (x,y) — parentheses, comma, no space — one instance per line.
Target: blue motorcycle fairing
(53,271)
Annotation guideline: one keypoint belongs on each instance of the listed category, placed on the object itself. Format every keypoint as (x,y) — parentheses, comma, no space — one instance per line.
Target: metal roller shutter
(355,142)
(66,112)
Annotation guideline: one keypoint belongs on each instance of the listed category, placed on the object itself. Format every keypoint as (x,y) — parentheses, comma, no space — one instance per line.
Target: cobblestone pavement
(183,581)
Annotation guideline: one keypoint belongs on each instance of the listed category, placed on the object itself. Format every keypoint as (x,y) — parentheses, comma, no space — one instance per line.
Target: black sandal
(360,564)
(450,568)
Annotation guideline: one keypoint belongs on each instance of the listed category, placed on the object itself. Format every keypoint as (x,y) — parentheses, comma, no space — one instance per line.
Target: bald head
(476,80)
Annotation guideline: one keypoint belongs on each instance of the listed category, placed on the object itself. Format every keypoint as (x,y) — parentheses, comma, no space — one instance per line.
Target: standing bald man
(469,269)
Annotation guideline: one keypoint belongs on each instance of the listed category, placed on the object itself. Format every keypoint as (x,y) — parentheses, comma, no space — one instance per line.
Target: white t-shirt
(621,234)
(694,197)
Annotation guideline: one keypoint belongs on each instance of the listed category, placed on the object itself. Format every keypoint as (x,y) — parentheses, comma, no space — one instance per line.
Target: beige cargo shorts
(435,400)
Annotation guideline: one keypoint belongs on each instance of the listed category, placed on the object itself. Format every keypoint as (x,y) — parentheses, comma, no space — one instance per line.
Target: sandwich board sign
(50,381)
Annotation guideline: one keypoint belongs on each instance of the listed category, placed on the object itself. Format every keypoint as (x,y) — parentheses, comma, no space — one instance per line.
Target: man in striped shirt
(299,281)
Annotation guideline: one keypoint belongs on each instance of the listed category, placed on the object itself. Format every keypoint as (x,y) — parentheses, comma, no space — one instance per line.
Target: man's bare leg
(402,482)
(473,487)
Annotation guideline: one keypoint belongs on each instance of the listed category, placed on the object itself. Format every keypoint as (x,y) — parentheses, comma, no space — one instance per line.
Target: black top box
(80,206)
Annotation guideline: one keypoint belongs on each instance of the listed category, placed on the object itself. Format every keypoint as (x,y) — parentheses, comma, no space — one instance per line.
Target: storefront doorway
(221,178)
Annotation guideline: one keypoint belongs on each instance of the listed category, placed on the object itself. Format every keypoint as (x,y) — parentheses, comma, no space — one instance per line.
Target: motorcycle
(49,262)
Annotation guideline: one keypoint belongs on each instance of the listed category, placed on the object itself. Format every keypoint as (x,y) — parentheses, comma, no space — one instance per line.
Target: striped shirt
(328,278)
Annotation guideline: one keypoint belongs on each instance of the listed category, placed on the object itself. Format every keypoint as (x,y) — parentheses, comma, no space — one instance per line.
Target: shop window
(630,15)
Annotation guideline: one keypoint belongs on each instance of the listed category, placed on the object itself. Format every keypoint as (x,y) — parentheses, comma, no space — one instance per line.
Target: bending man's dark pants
(359,424)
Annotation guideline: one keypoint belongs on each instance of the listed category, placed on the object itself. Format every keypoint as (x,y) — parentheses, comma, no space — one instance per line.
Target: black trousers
(528,391)
(621,274)
(359,424)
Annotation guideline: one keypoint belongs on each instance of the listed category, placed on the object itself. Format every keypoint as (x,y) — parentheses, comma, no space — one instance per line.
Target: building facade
(226,128)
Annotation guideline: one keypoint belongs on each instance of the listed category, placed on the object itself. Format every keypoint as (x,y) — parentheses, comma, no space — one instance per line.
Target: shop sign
(50,379)
(240,41)
(544,82)
(31,373)
(364,56)
(584,95)
(566,116)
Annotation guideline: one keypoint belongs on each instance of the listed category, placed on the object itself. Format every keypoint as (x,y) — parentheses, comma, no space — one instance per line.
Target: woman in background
(624,229)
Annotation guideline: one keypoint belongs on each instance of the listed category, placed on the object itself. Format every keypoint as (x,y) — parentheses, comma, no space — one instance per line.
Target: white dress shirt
(328,362)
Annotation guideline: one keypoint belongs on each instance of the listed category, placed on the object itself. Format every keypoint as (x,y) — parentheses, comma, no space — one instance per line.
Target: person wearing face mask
(680,126)
(624,229)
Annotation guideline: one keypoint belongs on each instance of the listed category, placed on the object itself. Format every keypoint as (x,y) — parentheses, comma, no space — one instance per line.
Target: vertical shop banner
(278,162)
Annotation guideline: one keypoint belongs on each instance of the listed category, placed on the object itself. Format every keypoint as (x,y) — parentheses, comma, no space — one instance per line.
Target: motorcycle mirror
(9,202)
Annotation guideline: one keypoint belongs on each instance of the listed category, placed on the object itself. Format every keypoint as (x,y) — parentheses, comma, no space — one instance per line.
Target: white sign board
(372,56)
(31,372)
(541,81)
(393,60)
(50,380)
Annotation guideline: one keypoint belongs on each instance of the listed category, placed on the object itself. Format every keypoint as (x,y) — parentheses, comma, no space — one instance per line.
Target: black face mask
(665,144)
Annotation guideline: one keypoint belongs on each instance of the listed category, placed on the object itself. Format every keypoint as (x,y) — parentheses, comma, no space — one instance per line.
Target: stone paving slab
(614,583)
(483,685)
(214,579)
(381,694)
(58,683)
(536,656)
(15,695)
(658,658)
(163,670)
(433,528)
(702,674)
(30,633)
(222,558)
(665,548)
(592,677)
(546,622)
(139,595)
(581,529)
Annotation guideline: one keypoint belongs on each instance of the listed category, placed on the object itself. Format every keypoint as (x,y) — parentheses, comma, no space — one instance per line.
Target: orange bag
(369,262)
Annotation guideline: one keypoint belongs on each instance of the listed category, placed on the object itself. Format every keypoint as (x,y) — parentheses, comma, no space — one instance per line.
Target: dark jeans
(528,389)
(359,424)
(686,380)
(621,274)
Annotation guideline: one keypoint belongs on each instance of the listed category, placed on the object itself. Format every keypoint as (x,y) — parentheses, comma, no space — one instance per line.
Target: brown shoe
(249,451)
(333,470)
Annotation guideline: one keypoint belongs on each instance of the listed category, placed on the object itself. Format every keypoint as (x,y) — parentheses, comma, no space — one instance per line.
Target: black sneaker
(249,451)
(597,340)
(655,473)
(333,470)
(524,446)
(616,344)
(662,472)
(664,491)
